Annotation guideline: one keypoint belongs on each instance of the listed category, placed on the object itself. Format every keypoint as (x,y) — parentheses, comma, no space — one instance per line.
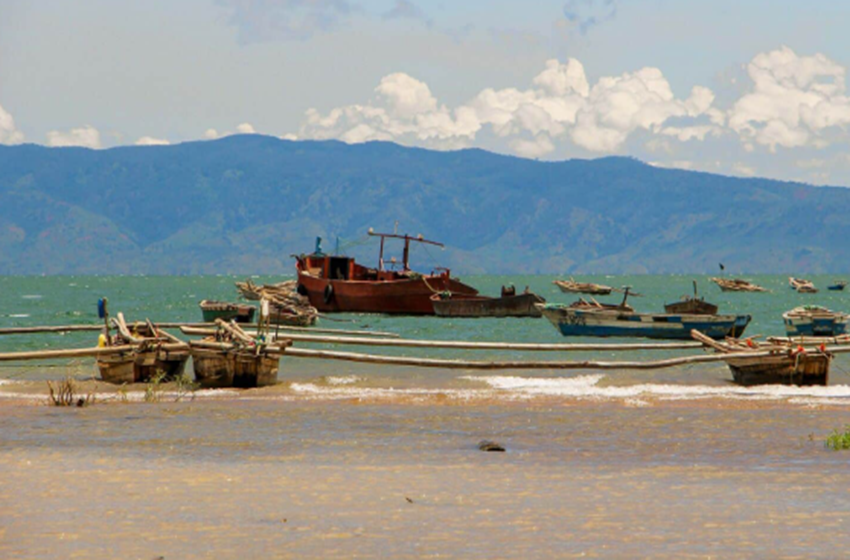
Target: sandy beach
(268,475)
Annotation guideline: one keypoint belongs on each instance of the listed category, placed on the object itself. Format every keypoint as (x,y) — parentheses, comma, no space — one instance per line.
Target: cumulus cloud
(560,104)
(211,134)
(86,136)
(246,128)
(266,20)
(9,134)
(150,141)
(794,100)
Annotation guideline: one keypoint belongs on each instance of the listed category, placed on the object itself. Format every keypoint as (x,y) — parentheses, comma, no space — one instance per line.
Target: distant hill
(243,204)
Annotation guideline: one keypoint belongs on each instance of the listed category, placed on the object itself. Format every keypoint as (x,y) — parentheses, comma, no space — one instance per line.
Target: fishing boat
(737,285)
(239,312)
(838,286)
(753,363)
(802,286)
(814,320)
(691,304)
(608,321)
(572,287)
(339,284)
(154,354)
(231,358)
(509,304)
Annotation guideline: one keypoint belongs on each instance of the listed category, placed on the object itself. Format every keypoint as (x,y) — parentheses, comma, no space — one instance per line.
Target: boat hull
(522,305)
(411,296)
(806,326)
(238,313)
(141,367)
(781,369)
(217,369)
(583,322)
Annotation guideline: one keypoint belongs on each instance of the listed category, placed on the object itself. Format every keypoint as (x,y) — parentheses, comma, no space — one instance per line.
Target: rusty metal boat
(336,283)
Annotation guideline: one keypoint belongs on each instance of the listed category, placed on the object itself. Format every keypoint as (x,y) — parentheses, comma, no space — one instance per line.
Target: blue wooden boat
(583,321)
(814,320)
(838,286)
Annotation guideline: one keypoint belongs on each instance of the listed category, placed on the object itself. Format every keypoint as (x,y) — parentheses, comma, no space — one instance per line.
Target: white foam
(587,386)
(32,296)
(343,392)
(342,380)
(18,315)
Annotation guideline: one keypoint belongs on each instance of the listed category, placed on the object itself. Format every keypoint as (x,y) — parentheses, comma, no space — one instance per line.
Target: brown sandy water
(267,474)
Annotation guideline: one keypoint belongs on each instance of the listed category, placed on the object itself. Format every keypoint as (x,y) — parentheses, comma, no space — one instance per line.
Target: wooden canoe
(463,305)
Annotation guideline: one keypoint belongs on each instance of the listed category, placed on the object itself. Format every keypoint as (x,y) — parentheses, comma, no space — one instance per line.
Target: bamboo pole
(98,327)
(77,352)
(462,345)
(477,364)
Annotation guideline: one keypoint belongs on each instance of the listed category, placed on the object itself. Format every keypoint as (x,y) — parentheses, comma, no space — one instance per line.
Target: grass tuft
(65,393)
(838,440)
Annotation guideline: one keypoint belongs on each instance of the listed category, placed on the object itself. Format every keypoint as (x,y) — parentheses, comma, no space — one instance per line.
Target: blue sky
(745,88)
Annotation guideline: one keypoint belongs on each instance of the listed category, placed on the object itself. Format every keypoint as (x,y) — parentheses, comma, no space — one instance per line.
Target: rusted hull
(216,369)
(141,367)
(479,306)
(782,369)
(410,296)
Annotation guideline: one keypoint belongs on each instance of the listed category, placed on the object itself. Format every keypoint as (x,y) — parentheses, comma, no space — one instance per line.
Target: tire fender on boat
(328,294)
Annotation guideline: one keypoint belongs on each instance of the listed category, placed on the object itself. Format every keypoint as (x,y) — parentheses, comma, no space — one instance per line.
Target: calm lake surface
(354,460)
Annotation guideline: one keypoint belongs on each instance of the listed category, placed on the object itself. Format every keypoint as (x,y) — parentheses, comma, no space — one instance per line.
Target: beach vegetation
(67,393)
(839,440)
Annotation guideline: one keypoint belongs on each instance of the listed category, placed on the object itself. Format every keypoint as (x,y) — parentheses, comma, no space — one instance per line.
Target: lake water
(354,460)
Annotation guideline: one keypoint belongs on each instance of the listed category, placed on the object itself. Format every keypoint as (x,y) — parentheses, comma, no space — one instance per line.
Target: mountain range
(245,203)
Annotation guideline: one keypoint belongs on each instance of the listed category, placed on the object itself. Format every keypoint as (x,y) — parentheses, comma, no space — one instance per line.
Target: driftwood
(462,345)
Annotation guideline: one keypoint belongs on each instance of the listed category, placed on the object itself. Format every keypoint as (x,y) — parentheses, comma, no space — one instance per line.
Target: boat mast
(407,240)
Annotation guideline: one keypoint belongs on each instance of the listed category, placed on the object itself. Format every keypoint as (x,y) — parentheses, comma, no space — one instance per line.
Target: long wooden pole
(77,352)
(463,345)
(554,364)
(74,328)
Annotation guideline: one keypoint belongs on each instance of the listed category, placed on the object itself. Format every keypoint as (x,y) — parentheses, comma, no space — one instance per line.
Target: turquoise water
(26,301)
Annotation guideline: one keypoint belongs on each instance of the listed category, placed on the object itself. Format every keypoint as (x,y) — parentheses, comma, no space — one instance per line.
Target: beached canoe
(233,367)
(142,364)
(464,305)
(784,364)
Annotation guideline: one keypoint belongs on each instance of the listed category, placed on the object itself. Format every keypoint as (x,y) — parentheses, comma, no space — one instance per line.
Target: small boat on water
(814,320)
(802,286)
(616,321)
(339,284)
(509,304)
(155,354)
(239,312)
(737,285)
(838,286)
(753,363)
(572,287)
(231,358)
(692,305)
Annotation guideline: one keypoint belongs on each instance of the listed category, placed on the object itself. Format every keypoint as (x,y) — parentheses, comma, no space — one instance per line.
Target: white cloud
(793,101)
(540,146)
(211,134)
(560,105)
(9,134)
(150,141)
(86,136)
(246,128)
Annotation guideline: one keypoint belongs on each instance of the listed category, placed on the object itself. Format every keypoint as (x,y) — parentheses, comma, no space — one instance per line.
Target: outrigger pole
(407,240)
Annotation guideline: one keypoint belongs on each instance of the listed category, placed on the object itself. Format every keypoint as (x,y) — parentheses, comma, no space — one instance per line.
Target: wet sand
(266,474)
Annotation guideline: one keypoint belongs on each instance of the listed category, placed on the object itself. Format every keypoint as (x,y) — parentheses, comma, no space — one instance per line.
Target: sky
(745,87)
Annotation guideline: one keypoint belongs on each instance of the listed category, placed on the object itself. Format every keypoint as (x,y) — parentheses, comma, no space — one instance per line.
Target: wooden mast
(407,239)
